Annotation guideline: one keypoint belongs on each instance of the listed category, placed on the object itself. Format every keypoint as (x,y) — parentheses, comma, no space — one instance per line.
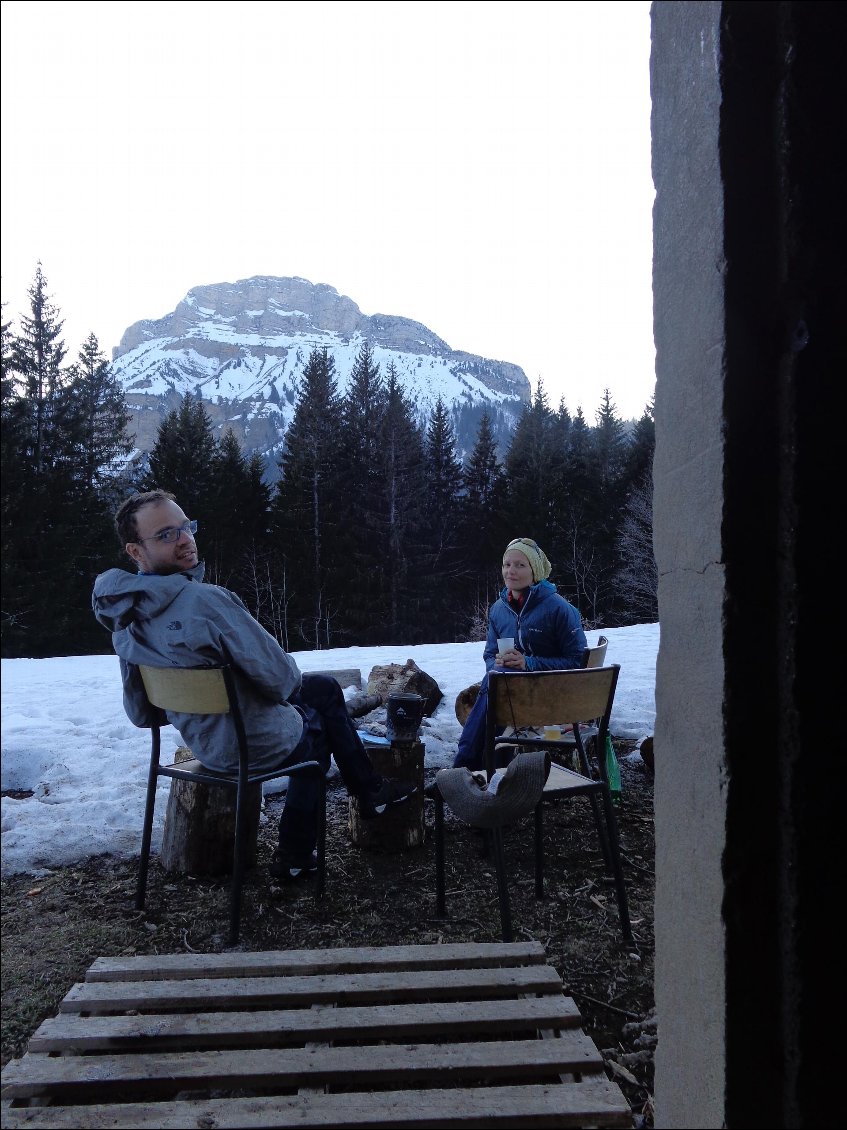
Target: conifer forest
(375,532)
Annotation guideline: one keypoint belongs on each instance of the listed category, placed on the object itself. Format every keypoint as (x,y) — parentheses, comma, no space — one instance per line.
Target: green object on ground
(613,770)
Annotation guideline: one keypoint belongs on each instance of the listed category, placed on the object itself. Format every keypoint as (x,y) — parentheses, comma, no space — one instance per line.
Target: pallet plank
(590,1103)
(253,992)
(275,963)
(349,1067)
(70,1032)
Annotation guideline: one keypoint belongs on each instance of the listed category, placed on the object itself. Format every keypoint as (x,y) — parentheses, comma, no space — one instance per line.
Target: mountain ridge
(241,348)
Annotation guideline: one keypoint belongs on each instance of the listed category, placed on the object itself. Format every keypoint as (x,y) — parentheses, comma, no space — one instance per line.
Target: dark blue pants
(471,748)
(328,731)
(470,753)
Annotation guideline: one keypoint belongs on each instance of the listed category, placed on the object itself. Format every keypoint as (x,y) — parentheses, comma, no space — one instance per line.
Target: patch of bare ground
(54,927)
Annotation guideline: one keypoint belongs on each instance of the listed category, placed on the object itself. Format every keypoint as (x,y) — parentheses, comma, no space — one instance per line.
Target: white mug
(506,643)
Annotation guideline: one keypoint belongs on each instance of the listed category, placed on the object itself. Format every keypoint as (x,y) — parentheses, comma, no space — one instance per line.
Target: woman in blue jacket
(546,629)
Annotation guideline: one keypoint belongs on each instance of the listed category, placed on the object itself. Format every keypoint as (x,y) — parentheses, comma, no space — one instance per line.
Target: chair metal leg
(502,886)
(440,898)
(237,863)
(601,832)
(321,879)
(617,869)
(539,851)
(147,829)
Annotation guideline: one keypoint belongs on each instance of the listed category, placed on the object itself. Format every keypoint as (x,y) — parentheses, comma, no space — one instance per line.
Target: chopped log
(361,704)
(199,828)
(402,827)
(386,679)
(465,700)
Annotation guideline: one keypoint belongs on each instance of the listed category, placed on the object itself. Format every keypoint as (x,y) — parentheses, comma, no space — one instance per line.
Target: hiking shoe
(377,801)
(288,868)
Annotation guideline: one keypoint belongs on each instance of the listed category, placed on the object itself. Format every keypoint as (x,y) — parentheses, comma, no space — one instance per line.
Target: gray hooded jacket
(178,621)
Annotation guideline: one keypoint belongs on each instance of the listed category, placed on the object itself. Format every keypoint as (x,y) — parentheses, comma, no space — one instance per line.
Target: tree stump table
(199,831)
(402,827)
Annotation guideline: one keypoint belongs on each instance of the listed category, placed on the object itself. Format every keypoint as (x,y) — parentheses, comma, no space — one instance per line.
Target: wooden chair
(212,690)
(595,656)
(592,657)
(525,700)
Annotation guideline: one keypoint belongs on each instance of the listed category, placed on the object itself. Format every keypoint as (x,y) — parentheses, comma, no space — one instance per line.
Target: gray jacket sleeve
(257,655)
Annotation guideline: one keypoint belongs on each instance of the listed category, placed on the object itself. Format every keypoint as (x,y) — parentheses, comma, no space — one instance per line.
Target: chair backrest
(187,690)
(533,698)
(595,656)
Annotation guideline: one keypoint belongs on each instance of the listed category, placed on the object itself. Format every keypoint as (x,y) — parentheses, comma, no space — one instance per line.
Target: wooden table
(470,1035)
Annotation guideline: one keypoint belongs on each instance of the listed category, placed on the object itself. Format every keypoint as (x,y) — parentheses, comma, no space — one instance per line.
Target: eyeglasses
(172,533)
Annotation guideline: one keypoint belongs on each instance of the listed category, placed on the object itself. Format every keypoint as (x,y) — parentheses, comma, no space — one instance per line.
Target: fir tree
(13,419)
(637,579)
(531,472)
(58,491)
(483,531)
(571,544)
(237,518)
(443,477)
(37,356)
(401,449)
(610,449)
(307,502)
(41,502)
(639,459)
(103,413)
(363,547)
(610,445)
(184,459)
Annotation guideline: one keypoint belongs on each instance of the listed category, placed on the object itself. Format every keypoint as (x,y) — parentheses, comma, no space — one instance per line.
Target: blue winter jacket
(548,630)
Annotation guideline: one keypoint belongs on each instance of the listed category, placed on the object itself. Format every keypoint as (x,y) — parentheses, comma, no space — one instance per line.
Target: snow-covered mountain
(242,347)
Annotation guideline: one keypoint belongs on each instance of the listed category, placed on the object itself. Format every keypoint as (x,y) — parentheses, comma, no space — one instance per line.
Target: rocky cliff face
(241,347)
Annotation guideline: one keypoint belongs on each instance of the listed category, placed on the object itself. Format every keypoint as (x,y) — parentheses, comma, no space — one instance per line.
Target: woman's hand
(511,660)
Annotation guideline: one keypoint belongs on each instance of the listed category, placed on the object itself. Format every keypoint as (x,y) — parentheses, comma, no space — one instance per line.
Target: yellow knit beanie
(535,555)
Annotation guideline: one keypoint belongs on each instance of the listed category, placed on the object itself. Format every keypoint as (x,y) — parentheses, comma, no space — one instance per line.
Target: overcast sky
(482,168)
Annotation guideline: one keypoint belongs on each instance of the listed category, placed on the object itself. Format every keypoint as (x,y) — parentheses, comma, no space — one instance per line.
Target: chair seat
(198,771)
(586,730)
(560,780)
(192,765)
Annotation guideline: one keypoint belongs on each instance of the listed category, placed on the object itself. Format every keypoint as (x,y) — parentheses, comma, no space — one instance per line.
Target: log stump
(199,828)
(465,702)
(402,827)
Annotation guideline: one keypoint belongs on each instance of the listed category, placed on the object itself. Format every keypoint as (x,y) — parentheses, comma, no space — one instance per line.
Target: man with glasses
(164,616)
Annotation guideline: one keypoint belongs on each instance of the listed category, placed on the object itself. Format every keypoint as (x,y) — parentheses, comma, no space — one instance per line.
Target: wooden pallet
(464,1035)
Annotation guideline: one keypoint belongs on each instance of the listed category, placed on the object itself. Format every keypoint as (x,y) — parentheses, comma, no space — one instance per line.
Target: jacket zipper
(517,616)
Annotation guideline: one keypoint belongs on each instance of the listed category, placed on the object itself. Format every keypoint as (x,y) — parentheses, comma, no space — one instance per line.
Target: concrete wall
(750,308)
(688,505)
